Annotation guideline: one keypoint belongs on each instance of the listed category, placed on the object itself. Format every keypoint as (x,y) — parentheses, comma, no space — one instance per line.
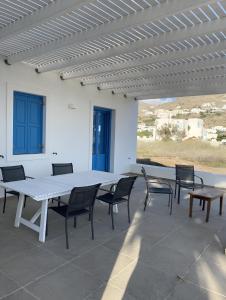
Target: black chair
(81,202)
(60,169)
(121,194)
(156,186)
(185,178)
(13,173)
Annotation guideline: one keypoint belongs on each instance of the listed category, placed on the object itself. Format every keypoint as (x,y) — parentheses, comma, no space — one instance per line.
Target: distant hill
(194,101)
(210,120)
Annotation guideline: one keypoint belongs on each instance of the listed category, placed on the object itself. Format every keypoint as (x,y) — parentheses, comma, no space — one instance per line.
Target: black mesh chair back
(124,187)
(82,197)
(157,186)
(60,169)
(13,173)
(185,173)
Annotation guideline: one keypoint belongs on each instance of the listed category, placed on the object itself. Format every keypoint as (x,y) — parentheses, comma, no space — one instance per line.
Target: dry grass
(191,151)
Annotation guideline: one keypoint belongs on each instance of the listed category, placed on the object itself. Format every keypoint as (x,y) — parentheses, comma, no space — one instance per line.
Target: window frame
(28,148)
(9,122)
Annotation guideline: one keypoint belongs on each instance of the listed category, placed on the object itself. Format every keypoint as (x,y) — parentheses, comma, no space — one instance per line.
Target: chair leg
(128,208)
(75,222)
(175,190)
(178,196)
(109,209)
(4,204)
(58,202)
(203,205)
(171,203)
(66,234)
(92,229)
(169,200)
(146,201)
(112,217)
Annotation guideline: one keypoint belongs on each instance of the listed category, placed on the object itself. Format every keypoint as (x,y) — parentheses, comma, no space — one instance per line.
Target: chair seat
(159,190)
(62,210)
(186,185)
(109,198)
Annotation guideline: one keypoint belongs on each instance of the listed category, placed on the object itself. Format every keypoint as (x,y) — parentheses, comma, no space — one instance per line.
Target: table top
(53,186)
(207,193)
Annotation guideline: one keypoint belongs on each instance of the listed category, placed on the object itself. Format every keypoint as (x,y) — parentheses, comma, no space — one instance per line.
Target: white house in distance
(192,128)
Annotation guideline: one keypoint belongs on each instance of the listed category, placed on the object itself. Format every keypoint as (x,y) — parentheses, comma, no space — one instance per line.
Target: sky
(159,101)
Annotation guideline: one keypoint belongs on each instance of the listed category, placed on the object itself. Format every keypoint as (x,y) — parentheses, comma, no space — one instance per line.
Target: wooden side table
(206,194)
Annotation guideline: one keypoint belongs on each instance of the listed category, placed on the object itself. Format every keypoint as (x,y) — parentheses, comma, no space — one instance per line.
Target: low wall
(216,180)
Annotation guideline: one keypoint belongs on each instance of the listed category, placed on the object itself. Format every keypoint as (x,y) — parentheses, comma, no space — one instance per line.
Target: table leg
(19,210)
(44,210)
(221,205)
(208,210)
(191,206)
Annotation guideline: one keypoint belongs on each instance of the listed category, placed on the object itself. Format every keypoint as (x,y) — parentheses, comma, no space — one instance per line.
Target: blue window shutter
(35,116)
(27,123)
(20,124)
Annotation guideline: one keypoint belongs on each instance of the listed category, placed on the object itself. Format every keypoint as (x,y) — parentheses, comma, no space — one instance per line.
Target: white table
(43,189)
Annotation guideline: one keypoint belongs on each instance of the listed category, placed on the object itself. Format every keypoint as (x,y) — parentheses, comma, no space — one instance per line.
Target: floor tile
(144,282)
(12,246)
(187,291)
(7,285)
(68,282)
(109,292)
(20,295)
(30,264)
(167,260)
(102,262)
(78,244)
(208,275)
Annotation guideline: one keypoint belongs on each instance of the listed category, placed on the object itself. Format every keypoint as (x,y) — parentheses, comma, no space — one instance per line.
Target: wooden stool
(206,194)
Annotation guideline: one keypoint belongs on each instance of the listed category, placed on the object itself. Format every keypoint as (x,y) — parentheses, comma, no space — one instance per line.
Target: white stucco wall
(68,132)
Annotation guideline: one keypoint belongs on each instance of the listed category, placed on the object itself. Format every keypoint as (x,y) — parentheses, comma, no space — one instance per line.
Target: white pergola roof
(140,48)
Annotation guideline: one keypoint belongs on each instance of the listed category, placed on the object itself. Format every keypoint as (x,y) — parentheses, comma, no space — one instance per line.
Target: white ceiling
(140,48)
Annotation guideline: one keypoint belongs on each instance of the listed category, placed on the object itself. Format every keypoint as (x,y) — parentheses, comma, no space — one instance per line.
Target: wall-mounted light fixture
(71,106)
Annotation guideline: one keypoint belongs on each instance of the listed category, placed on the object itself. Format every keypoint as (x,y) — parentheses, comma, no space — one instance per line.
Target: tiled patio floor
(157,257)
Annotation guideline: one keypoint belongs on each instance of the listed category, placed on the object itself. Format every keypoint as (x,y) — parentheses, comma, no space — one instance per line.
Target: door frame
(109,152)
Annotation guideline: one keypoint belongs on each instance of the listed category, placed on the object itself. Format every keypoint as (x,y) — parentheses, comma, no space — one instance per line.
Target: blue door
(101,139)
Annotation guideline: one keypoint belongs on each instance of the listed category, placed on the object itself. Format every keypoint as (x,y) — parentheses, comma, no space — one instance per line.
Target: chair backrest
(83,197)
(143,171)
(13,173)
(185,173)
(60,169)
(124,187)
